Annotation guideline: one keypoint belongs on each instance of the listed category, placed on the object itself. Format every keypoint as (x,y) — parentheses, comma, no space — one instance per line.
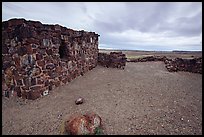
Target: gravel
(144,98)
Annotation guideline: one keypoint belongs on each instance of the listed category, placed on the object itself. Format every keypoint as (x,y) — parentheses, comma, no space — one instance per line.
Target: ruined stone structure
(178,64)
(148,58)
(38,57)
(114,60)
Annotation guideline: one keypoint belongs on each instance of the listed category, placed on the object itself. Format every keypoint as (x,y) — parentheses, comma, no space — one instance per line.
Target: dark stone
(6,58)
(29,49)
(18,91)
(4,49)
(35,71)
(46,43)
(58,69)
(17,61)
(41,63)
(34,94)
(57,83)
(40,80)
(78,101)
(7,93)
(52,74)
(26,81)
(22,51)
(65,80)
(6,65)
(25,60)
(34,46)
(33,81)
(50,66)
(25,87)
(19,82)
(49,51)
(47,83)
(50,87)
(11,50)
(31,60)
(39,56)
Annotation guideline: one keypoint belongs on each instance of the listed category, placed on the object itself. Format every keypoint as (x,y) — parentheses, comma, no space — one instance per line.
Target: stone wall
(177,64)
(147,58)
(114,60)
(38,57)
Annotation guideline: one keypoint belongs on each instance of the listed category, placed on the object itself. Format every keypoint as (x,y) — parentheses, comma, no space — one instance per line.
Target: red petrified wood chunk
(87,124)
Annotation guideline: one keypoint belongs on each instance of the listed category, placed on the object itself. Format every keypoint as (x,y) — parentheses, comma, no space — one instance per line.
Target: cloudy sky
(121,25)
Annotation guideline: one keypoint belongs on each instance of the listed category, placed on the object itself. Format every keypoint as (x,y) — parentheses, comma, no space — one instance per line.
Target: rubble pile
(114,60)
(38,57)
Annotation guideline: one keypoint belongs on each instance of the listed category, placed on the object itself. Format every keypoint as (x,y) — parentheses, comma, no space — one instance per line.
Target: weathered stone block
(4,49)
(47,83)
(17,89)
(56,83)
(17,61)
(29,49)
(27,81)
(22,51)
(34,94)
(36,71)
(25,88)
(49,51)
(50,66)
(40,80)
(33,81)
(46,42)
(19,82)
(41,63)
(65,80)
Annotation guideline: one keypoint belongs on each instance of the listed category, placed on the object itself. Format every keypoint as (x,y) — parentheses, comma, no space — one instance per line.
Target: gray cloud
(136,25)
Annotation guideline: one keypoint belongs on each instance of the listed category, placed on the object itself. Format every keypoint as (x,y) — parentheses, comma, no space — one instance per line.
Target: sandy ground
(142,99)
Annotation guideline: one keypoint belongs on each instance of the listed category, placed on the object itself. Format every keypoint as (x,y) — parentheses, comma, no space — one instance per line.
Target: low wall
(177,64)
(114,60)
(148,58)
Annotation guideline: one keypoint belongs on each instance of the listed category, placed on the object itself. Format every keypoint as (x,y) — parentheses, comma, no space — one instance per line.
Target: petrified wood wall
(38,57)
(114,60)
(178,64)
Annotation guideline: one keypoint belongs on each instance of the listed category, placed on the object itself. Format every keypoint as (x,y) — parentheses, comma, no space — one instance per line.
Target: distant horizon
(151,50)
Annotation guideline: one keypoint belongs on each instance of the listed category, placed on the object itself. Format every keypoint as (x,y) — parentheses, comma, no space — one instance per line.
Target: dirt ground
(144,98)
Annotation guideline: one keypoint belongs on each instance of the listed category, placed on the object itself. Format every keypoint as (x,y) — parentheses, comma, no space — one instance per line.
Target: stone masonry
(173,65)
(38,57)
(114,60)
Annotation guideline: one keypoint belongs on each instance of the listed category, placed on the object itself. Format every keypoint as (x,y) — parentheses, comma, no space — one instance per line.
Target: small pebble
(80,100)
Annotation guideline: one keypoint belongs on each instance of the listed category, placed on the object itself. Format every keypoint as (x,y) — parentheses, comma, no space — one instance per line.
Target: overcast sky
(121,25)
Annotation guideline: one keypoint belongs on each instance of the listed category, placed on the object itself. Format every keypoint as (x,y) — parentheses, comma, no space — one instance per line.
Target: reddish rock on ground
(87,124)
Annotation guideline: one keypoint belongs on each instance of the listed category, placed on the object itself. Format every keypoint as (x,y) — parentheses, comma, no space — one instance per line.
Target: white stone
(45,93)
